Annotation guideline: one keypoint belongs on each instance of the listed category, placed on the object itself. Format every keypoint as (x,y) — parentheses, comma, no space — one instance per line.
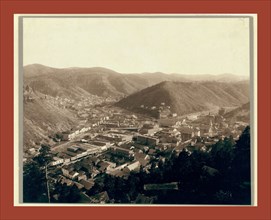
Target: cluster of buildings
(117,144)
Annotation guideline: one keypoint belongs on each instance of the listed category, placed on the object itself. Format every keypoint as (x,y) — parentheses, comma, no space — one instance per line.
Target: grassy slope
(42,118)
(188,97)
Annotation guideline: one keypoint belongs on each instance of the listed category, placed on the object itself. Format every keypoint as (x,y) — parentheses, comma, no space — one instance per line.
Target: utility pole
(48,187)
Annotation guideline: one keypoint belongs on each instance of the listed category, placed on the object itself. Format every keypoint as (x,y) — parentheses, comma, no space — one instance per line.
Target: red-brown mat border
(9,8)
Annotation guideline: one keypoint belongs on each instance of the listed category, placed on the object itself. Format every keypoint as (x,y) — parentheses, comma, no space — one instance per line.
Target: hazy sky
(136,45)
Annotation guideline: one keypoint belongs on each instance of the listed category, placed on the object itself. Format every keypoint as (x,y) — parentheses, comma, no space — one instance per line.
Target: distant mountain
(75,82)
(226,77)
(187,97)
(241,113)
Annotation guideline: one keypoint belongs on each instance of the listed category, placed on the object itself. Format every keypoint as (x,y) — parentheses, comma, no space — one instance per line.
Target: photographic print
(137,109)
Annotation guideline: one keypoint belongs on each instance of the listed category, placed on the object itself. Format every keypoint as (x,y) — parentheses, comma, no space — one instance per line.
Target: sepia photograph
(136,109)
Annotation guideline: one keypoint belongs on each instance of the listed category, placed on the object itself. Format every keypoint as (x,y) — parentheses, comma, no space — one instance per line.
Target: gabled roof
(118,173)
(79,186)
(134,166)
(88,184)
(103,165)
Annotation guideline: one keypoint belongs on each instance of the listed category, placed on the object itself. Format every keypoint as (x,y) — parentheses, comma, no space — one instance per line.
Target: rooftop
(162,186)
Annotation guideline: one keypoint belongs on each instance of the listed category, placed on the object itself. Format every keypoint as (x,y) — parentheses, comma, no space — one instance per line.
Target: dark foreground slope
(241,113)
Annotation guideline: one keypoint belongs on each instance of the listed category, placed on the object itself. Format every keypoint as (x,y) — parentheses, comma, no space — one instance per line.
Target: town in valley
(153,155)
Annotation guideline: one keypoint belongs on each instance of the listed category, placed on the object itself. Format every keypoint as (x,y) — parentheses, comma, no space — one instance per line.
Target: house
(100,143)
(169,136)
(88,184)
(94,160)
(111,124)
(56,161)
(121,152)
(143,159)
(204,129)
(121,166)
(87,167)
(68,182)
(145,140)
(79,186)
(82,176)
(94,173)
(73,175)
(149,131)
(94,150)
(134,166)
(102,166)
(119,173)
(110,137)
(68,171)
(70,153)
(111,165)
(84,140)
(94,122)
(146,148)
(73,149)
(186,133)
(67,159)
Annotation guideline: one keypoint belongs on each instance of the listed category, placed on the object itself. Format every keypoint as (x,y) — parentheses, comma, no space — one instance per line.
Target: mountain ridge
(187,97)
(100,81)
